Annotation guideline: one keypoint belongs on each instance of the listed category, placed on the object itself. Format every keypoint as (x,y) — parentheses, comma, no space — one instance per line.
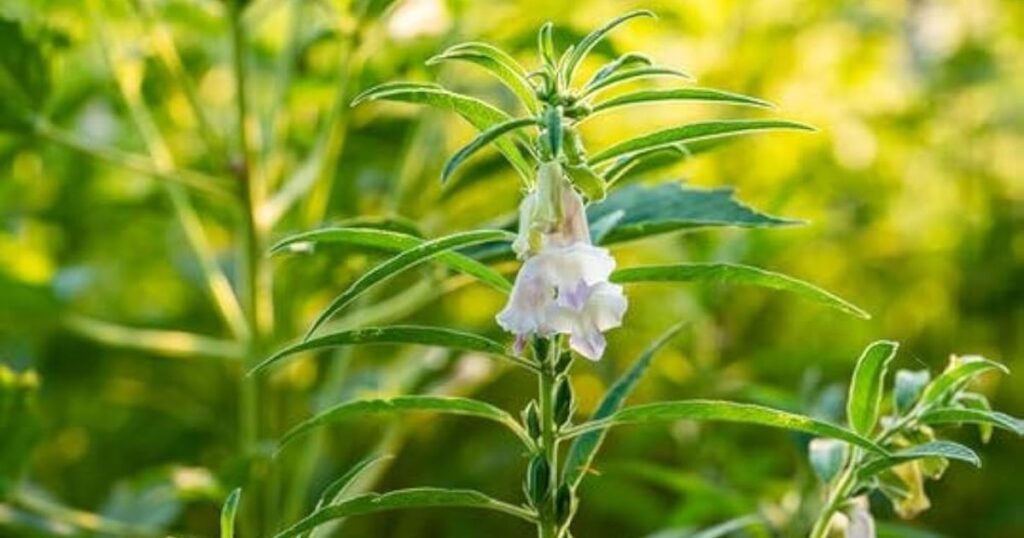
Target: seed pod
(553,128)
(531,419)
(538,480)
(564,504)
(563,401)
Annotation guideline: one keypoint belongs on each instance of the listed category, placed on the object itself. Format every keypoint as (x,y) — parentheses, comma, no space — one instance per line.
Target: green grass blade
(492,134)
(865,399)
(397,334)
(934,449)
(228,512)
(679,94)
(974,416)
(723,411)
(405,260)
(584,448)
(499,63)
(394,242)
(478,113)
(401,405)
(593,38)
(731,273)
(695,131)
(401,499)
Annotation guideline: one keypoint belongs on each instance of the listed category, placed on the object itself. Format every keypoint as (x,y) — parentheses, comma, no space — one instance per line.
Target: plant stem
(837,496)
(547,527)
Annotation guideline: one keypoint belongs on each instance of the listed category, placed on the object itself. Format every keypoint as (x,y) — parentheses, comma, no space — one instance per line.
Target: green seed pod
(563,363)
(553,128)
(565,503)
(531,419)
(538,480)
(563,401)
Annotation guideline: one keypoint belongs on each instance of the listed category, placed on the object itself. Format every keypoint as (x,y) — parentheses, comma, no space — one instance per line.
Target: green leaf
(827,457)
(626,60)
(228,512)
(679,94)
(907,388)
(333,492)
(731,273)
(499,63)
(401,499)
(405,260)
(961,370)
(632,74)
(24,77)
(405,404)
(480,114)
(865,399)
(724,411)
(670,207)
(492,134)
(934,449)
(971,400)
(398,334)
(589,183)
(955,415)
(593,38)
(693,132)
(584,448)
(546,45)
(394,242)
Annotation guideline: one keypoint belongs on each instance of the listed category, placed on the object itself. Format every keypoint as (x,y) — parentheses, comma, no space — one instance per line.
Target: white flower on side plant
(562,287)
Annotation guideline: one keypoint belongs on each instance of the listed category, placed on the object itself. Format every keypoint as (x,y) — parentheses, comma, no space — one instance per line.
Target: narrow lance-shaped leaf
(478,113)
(490,135)
(228,512)
(584,448)
(398,334)
(679,94)
(593,38)
(865,399)
(731,273)
(724,411)
(394,242)
(405,404)
(628,75)
(626,60)
(401,499)
(497,62)
(405,260)
(695,131)
(335,491)
(933,449)
(974,416)
(961,370)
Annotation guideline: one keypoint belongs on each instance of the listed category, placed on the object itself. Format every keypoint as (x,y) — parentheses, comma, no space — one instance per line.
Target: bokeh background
(913,190)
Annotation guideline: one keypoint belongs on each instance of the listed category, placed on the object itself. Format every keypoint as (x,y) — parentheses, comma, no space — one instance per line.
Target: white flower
(418,18)
(861,524)
(562,287)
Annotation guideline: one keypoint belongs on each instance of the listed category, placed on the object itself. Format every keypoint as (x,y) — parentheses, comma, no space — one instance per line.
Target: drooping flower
(562,287)
(861,524)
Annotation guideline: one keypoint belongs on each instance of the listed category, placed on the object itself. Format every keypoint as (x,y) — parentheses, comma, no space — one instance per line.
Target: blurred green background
(913,191)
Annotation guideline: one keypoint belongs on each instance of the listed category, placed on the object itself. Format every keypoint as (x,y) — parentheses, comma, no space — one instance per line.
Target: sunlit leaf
(404,404)
(974,416)
(865,398)
(626,60)
(724,411)
(393,242)
(405,260)
(593,38)
(731,273)
(628,75)
(401,499)
(398,334)
(961,370)
(934,449)
(497,62)
(584,448)
(492,134)
(692,132)
(228,512)
(678,94)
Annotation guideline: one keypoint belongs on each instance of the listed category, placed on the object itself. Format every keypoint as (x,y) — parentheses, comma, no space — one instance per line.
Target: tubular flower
(562,287)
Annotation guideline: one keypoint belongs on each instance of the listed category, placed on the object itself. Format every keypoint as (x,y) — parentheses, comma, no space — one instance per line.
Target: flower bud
(563,363)
(563,401)
(827,457)
(538,480)
(564,504)
(531,420)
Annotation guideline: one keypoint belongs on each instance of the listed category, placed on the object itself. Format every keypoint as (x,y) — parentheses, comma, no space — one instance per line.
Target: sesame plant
(568,293)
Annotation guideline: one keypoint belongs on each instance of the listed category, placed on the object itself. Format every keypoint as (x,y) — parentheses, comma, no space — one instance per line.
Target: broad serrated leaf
(584,448)
(671,207)
(961,370)
(478,113)
(497,62)
(228,512)
(24,77)
(393,242)
(974,416)
(725,411)
(693,132)
(401,499)
(405,260)
(678,94)
(404,404)
(631,75)
(491,135)
(589,41)
(864,401)
(398,334)
(934,449)
(732,273)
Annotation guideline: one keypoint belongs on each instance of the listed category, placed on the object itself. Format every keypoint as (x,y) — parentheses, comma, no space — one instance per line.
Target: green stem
(547,527)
